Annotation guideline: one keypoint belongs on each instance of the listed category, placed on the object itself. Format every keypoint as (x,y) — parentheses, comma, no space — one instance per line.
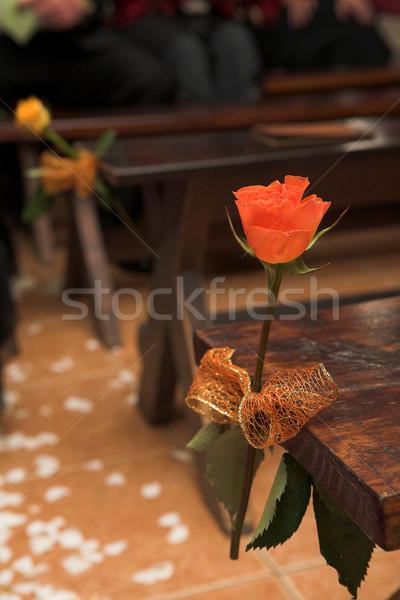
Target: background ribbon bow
(60,174)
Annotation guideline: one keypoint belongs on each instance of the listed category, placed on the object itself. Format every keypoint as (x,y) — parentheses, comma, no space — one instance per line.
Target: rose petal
(276,246)
(305,217)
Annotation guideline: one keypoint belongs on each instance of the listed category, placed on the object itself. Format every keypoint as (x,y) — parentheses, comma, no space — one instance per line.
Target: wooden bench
(351,448)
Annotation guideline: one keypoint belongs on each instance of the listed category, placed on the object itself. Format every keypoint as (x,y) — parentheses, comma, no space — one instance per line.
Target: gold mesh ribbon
(218,386)
(285,403)
(60,174)
(222,392)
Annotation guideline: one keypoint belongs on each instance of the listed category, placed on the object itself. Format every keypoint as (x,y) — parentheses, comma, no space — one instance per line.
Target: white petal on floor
(11,519)
(56,492)
(169,519)
(34,328)
(178,534)
(25,566)
(115,479)
(11,499)
(115,548)
(47,466)
(91,344)
(45,412)
(75,564)
(41,544)
(8,596)
(19,441)
(70,538)
(15,475)
(6,576)
(60,366)
(18,372)
(94,465)
(6,554)
(151,490)
(11,397)
(158,572)
(75,403)
(44,592)
(21,414)
(132,399)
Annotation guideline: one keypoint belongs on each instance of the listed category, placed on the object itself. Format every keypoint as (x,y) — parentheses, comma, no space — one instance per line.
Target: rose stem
(256,387)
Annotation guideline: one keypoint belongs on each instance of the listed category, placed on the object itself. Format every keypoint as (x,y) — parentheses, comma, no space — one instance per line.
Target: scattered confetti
(11,397)
(132,399)
(115,548)
(6,577)
(158,572)
(178,534)
(70,538)
(45,411)
(116,479)
(75,403)
(183,456)
(56,492)
(151,490)
(21,413)
(25,566)
(170,519)
(41,544)
(5,554)
(60,366)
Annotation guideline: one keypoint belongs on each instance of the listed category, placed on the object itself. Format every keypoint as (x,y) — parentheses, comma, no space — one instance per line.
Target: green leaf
(226,467)
(104,191)
(298,267)
(241,241)
(104,142)
(324,231)
(285,507)
(205,437)
(36,205)
(343,544)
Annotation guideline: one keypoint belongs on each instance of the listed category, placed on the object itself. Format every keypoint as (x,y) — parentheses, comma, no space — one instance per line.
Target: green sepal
(285,506)
(36,205)
(299,267)
(324,231)
(33,172)
(205,437)
(104,191)
(241,241)
(226,464)
(104,142)
(343,544)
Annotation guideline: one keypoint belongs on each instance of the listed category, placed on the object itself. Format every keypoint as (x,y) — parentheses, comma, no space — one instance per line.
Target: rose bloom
(32,114)
(278,224)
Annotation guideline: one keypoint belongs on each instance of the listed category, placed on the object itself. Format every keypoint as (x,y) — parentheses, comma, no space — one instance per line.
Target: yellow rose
(32,114)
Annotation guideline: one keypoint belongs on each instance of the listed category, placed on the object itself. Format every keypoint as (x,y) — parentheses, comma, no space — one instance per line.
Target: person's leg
(237,63)
(102,69)
(189,61)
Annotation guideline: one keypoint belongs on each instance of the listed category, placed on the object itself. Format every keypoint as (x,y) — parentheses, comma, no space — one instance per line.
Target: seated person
(73,61)
(210,56)
(304,34)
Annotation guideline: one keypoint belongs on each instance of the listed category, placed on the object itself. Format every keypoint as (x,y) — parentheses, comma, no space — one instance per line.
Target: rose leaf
(205,437)
(36,205)
(343,544)
(285,506)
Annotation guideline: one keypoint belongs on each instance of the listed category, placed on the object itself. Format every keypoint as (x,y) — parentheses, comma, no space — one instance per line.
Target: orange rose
(32,114)
(278,224)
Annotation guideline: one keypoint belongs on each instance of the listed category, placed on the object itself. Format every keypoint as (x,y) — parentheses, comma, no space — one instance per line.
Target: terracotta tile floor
(97,505)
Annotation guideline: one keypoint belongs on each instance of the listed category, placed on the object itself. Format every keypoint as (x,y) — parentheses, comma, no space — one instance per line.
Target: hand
(299,12)
(57,15)
(361,10)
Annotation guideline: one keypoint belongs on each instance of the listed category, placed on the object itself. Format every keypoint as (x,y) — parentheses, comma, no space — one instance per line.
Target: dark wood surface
(358,172)
(352,447)
(300,106)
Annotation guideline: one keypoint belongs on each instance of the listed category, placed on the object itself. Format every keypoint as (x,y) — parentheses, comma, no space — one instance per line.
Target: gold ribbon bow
(60,174)
(291,397)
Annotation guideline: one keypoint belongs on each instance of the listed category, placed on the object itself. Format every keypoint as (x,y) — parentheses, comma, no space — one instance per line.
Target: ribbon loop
(60,174)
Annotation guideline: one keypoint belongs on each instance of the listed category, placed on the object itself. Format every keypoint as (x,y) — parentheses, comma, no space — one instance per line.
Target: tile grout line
(280,575)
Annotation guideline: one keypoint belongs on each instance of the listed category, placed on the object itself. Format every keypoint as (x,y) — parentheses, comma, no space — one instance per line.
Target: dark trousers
(324,42)
(88,68)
